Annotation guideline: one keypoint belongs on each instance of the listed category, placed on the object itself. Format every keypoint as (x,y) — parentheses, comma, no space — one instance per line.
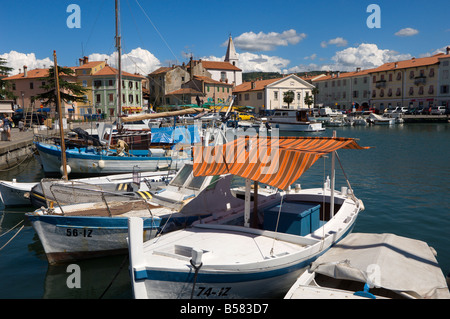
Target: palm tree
(315,92)
(288,97)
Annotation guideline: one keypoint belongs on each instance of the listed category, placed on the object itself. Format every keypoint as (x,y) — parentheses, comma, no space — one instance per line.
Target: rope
(12,237)
(18,164)
(276,227)
(195,276)
(115,276)
(12,228)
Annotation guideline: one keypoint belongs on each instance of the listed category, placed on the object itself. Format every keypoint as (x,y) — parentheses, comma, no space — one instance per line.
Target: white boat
(99,227)
(381,120)
(294,121)
(233,255)
(359,121)
(12,193)
(375,266)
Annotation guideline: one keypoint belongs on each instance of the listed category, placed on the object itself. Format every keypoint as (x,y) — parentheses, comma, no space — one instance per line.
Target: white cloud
(339,42)
(250,41)
(311,57)
(137,61)
(365,56)
(17,60)
(406,32)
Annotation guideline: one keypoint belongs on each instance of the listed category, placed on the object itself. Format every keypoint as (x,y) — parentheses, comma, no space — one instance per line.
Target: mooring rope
(12,236)
(17,164)
(195,276)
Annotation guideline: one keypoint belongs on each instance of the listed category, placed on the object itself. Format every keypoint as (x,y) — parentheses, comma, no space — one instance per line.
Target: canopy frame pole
(248,184)
(333,177)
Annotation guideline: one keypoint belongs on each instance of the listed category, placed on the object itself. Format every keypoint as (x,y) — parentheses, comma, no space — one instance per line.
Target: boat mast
(333,178)
(119,53)
(61,128)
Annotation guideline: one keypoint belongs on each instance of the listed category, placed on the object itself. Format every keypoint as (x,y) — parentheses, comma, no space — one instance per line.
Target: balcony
(380,84)
(418,80)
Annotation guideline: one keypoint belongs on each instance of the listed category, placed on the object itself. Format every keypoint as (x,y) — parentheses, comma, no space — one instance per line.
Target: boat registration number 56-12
(76,232)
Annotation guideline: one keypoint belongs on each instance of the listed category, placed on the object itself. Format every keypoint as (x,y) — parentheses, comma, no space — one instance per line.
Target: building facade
(344,90)
(269,94)
(443,88)
(409,83)
(165,80)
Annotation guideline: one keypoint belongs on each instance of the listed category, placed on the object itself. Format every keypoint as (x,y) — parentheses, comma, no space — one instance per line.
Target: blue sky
(284,36)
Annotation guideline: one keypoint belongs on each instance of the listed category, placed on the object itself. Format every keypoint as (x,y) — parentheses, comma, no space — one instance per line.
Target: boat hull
(298,127)
(70,238)
(13,194)
(91,163)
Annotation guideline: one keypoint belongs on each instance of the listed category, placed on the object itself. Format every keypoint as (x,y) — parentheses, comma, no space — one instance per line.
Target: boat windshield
(182,176)
(196,182)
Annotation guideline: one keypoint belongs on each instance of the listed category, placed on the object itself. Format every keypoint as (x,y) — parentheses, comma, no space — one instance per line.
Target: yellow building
(84,74)
(410,83)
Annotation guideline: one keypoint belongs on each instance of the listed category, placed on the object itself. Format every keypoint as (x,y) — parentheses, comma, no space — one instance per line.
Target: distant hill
(252,76)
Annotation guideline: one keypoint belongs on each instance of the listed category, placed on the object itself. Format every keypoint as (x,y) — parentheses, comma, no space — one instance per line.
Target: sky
(285,36)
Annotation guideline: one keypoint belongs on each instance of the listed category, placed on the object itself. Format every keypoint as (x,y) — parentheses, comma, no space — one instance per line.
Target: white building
(269,94)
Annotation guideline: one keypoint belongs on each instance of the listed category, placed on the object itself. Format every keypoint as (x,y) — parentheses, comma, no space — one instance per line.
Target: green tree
(288,97)
(5,93)
(69,91)
(309,100)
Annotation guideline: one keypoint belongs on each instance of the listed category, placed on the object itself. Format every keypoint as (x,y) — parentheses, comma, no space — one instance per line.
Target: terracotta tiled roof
(108,70)
(258,85)
(31,74)
(411,63)
(185,91)
(209,80)
(217,65)
(161,70)
(345,75)
(89,65)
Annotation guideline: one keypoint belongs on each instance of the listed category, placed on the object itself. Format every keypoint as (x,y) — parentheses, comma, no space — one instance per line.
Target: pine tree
(5,93)
(69,91)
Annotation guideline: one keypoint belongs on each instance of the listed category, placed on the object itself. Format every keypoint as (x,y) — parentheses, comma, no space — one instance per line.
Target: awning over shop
(6,107)
(277,162)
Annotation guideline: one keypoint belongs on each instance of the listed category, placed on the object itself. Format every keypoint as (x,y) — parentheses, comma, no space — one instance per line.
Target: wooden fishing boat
(245,253)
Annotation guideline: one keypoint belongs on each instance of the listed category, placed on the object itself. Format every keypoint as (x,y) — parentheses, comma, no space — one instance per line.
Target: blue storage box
(296,218)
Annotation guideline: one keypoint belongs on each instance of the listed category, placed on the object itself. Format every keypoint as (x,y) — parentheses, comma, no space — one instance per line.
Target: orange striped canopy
(277,162)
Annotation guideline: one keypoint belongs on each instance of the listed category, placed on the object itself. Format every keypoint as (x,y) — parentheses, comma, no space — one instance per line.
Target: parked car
(400,109)
(424,110)
(438,110)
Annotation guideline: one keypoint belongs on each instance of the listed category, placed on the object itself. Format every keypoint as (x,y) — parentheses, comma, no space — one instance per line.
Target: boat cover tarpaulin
(277,162)
(185,135)
(389,261)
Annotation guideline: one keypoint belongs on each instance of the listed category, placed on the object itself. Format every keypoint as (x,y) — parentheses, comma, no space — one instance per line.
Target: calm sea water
(403,181)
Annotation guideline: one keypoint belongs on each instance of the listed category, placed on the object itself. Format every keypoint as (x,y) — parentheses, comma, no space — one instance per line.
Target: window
(111,98)
(130,84)
(390,92)
(223,76)
(196,182)
(445,89)
(382,93)
(137,98)
(130,98)
(355,94)
(247,96)
(431,72)
(98,98)
(355,81)
(374,79)
(399,76)
(43,83)
(445,63)
(31,85)
(111,82)
(374,93)
(365,80)
(390,77)
(182,176)
(97,83)
(411,91)
(275,96)
(259,95)
(299,96)
(84,83)
(411,74)
(399,92)
(445,74)
(344,82)
(431,89)
(421,90)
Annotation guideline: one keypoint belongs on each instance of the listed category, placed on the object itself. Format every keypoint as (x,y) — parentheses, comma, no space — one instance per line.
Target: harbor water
(403,181)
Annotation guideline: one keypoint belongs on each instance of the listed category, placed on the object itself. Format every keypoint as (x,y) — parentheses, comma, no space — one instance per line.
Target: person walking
(7,121)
